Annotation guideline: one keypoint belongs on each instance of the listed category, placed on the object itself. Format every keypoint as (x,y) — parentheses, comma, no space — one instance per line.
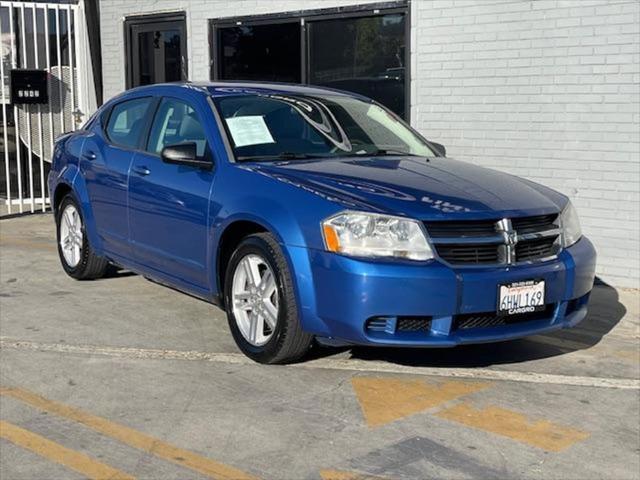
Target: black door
(157,50)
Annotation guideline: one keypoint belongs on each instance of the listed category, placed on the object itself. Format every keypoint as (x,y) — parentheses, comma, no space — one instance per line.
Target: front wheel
(260,302)
(76,255)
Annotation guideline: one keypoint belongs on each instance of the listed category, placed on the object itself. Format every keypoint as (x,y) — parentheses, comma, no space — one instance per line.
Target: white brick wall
(548,90)
(545,89)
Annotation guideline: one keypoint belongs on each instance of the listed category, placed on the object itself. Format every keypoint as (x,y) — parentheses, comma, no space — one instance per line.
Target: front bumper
(337,296)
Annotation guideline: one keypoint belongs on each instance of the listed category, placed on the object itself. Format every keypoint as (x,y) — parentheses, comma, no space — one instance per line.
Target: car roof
(229,88)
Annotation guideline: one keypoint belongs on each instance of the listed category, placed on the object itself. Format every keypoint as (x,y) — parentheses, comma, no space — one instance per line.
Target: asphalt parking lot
(124,378)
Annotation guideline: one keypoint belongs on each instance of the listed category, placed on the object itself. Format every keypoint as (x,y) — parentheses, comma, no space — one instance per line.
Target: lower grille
(413,324)
(393,325)
(378,324)
(490,319)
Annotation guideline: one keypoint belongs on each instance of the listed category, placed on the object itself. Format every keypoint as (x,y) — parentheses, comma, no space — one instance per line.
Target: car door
(168,203)
(106,158)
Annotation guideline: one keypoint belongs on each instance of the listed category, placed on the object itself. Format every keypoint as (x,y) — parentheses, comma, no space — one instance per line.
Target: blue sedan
(309,213)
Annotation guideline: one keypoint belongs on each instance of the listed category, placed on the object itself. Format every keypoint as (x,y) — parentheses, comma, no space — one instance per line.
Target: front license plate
(521,297)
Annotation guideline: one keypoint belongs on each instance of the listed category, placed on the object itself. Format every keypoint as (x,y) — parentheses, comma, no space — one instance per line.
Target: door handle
(89,155)
(142,170)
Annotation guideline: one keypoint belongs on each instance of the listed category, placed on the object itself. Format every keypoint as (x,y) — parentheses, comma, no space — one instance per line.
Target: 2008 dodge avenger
(312,213)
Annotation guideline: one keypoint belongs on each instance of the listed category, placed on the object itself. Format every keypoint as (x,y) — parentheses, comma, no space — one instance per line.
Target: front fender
(297,257)
(290,213)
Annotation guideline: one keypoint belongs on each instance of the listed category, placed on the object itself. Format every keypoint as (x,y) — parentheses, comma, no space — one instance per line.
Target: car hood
(417,187)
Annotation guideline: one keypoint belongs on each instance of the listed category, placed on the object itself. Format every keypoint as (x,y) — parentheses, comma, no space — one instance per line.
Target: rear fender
(71,177)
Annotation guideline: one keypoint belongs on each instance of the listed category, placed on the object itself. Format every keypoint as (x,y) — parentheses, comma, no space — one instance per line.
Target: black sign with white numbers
(29,86)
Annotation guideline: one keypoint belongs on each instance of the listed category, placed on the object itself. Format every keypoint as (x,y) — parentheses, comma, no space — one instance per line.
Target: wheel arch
(233,233)
(71,181)
(60,192)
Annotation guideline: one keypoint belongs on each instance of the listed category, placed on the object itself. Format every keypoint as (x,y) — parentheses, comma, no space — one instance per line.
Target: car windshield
(289,127)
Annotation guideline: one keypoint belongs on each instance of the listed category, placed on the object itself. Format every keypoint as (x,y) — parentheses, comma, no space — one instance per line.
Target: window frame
(309,16)
(105,118)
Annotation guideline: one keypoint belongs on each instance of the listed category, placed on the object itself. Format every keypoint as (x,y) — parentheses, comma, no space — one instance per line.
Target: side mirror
(184,154)
(440,149)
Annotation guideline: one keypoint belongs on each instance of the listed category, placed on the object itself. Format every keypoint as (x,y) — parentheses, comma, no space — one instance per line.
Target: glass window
(176,123)
(159,54)
(365,55)
(260,52)
(127,121)
(157,49)
(278,126)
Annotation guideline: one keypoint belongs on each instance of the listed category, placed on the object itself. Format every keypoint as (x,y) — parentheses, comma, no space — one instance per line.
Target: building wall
(544,89)
(113,12)
(547,90)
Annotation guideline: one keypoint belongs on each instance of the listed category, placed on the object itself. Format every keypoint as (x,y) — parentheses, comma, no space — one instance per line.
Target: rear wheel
(260,303)
(76,255)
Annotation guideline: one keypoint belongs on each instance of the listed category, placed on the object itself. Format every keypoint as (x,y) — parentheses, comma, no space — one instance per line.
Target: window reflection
(263,126)
(362,55)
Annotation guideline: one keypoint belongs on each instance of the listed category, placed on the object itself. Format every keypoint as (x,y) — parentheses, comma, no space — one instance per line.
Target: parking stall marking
(131,437)
(384,400)
(55,452)
(540,433)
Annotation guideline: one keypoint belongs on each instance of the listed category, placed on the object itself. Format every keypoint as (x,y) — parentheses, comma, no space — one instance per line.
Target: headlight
(570,224)
(371,235)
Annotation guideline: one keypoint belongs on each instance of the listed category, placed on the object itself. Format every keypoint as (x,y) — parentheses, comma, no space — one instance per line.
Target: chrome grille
(534,249)
(477,254)
(533,224)
(496,242)
(475,228)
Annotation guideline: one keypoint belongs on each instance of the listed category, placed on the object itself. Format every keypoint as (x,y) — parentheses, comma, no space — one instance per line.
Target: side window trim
(153,111)
(153,105)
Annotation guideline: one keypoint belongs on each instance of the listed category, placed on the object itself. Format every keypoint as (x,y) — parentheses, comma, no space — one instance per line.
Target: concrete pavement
(127,375)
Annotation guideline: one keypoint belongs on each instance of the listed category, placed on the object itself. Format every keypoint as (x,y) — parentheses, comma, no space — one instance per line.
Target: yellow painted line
(341,475)
(384,400)
(55,452)
(540,433)
(131,437)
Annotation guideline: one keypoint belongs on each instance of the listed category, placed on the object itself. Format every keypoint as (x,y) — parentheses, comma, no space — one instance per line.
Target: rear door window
(127,122)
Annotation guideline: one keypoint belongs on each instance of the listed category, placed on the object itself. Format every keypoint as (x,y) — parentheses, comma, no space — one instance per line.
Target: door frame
(136,20)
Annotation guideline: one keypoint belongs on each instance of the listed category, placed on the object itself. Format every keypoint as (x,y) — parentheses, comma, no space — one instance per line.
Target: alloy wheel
(71,236)
(255,299)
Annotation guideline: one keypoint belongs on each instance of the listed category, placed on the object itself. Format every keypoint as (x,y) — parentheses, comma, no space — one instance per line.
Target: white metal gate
(42,36)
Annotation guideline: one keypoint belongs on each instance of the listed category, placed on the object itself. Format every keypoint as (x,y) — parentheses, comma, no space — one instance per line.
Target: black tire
(288,342)
(90,266)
